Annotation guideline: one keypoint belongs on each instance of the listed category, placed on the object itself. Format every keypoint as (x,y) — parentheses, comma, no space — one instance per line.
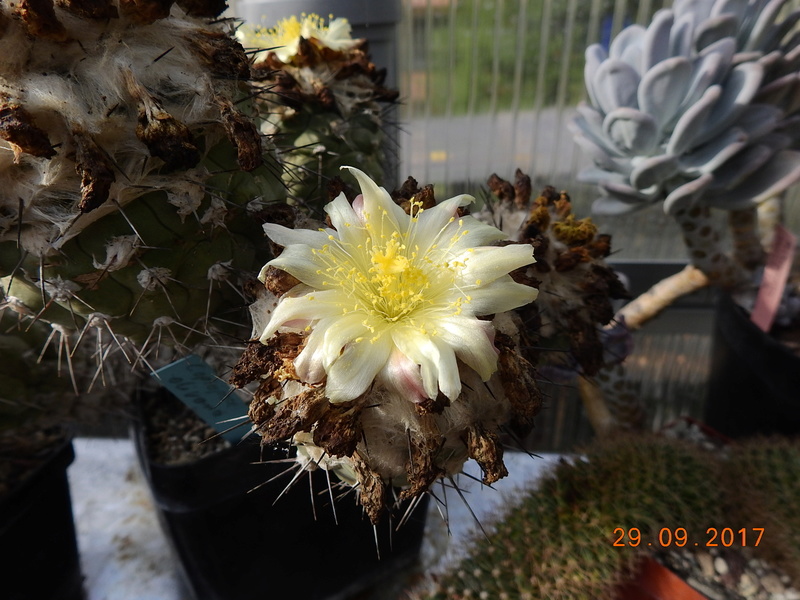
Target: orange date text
(668,537)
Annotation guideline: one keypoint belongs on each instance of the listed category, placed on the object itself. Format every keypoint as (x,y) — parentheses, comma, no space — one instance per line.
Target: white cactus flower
(394,296)
(284,38)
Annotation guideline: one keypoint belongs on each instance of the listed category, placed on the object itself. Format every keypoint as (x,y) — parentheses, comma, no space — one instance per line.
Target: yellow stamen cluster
(387,275)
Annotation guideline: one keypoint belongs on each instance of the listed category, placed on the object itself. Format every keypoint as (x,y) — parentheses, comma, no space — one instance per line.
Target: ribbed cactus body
(577,284)
(558,542)
(325,103)
(131,167)
(766,476)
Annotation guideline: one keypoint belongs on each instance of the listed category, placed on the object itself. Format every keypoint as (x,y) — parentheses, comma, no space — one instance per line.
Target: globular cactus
(376,354)
(131,167)
(326,103)
(558,542)
(765,474)
(576,284)
(678,112)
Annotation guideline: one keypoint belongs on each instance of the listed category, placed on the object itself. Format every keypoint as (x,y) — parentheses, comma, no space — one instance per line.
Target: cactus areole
(385,344)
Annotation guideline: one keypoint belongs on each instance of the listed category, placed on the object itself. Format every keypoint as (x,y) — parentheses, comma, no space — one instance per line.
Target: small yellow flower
(284,38)
(395,297)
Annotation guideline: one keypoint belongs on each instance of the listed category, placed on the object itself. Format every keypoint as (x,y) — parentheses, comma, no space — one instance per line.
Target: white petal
(309,363)
(437,362)
(348,224)
(500,296)
(488,263)
(298,261)
(472,233)
(340,331)
(285,237)
(355,370)
(309,307)
(376,201)
(472,341)
(433,220)
(403,375)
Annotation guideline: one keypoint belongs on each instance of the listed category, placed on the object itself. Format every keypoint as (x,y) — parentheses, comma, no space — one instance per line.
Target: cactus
(765,474)
(375,356)
(575,283)
(326,103)
(558,542)
(130,169)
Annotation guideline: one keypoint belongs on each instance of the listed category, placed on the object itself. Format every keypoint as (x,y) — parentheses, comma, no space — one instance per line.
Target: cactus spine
(130,168)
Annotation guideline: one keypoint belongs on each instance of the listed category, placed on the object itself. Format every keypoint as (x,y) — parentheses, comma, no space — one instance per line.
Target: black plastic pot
(38,547)
(754,384)
(235,541)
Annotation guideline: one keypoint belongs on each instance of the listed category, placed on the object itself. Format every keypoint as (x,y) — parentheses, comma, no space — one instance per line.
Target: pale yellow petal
(353,372)
(308,307)
(486,264)
(437,362)
(499,296)
(379,208)
(472,341)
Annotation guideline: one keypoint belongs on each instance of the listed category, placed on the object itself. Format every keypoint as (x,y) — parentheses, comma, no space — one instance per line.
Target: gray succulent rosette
(697,108)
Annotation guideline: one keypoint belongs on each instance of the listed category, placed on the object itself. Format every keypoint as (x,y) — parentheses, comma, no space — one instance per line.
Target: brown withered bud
(339,432)
(563,205)
(516,377)
(336,186)
(585,343)
(371,489)
(600,247)
(279,281)
(222,54)
(168,139)
(537,223)
(260,410)
(242,133)
(423,197)
(568,260)
(285,88)
(421,469)
(255,361)
(40,19)
(164,135)
(272,360)
(434,406)
(145,12)
(326,98)
(203,8)
(502,189)
(409,187)
(485,448)
(90,9)
(96,171)
(18,129)
(292,416)
(522,189)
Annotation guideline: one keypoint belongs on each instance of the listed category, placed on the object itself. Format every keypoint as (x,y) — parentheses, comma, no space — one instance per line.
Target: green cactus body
(558,542)
(130,170)
(323,100)
(765,473)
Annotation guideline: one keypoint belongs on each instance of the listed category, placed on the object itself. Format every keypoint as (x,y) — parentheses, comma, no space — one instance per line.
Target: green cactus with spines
(765,475)
(558,543)
(131,184)
(325,104)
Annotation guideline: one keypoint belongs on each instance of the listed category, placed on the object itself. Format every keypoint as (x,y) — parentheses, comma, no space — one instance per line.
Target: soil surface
(175,434)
